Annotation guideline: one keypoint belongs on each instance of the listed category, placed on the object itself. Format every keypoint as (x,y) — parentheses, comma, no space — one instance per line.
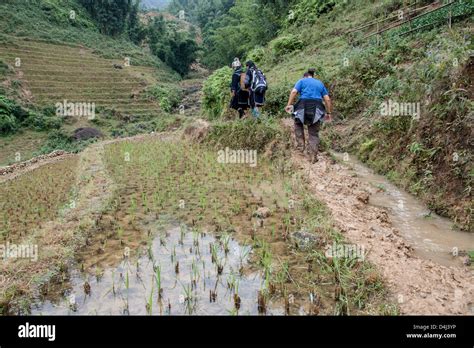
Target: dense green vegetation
(13,116)
(231,29)
(177,48)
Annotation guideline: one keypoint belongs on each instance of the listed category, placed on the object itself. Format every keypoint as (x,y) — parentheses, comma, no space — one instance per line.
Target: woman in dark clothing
(240,97)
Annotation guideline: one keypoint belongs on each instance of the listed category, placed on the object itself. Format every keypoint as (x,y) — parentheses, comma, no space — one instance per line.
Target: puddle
(431,235)
(198,288)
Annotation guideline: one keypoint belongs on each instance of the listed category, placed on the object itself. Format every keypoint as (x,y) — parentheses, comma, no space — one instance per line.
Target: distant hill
(147,4)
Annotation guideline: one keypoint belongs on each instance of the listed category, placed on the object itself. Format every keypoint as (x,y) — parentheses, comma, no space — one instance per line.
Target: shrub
(257,55)
(286,44)
(40,122)
(277,97)
(244,134)
(8,121)
(309,10)
(216,94)
(168,96)
(58,140)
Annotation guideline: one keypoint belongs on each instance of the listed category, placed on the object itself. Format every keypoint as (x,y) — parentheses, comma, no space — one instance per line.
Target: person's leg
(299,136)
(313,141)
(256,112)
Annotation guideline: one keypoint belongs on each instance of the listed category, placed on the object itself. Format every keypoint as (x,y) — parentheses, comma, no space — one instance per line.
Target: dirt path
(17,169)
(419,286)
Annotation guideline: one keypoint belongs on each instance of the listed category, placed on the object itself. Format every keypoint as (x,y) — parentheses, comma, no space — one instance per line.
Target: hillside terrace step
(10,59)
(50,68)
(30,56)
(86,75)
(9,50)
(124,82)
(67,85)
(77,57)
(99,102)
(31,60)
(79,90)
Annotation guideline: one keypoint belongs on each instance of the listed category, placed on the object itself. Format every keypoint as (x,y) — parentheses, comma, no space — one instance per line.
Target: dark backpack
(259,82)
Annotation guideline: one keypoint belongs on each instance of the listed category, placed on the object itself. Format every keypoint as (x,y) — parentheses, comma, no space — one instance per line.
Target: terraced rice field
(54,73)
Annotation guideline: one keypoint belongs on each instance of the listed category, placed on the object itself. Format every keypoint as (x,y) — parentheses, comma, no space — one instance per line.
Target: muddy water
(433,237)
(190,291)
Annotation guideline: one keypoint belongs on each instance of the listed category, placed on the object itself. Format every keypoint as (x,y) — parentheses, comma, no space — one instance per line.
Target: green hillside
(55,52)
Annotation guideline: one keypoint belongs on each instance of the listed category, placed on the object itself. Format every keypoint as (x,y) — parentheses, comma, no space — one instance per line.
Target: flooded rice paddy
(185,234)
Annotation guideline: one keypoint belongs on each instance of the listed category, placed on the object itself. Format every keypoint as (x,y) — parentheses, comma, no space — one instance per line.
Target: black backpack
(259,81)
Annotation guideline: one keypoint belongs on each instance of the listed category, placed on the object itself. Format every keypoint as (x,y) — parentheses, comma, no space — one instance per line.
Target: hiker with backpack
(314,106)
(256,82)
(240,95)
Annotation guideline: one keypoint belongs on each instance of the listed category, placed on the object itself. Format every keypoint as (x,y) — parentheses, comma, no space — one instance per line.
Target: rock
(382,216)
(466,261)
(197,131)
(304,240)
(262,212)
(363,197)
(86,133)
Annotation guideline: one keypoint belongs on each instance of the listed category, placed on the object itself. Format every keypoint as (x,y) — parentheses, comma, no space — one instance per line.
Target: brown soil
(419,286)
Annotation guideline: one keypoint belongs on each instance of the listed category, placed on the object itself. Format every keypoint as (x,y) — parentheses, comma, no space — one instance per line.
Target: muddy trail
(420,281)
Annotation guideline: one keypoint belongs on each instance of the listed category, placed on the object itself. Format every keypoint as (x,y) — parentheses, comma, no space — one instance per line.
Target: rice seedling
(173,254)
(133,207)
(98,273)
(244,252)
(189,299)
(195,238)
(237,299)
(225,240)
(194,274)
(231,281)
(162,239)
(182,233)
(113,282)
(262,306)
(150,254)
(214,252)
(158,281)
(212,295)
(149,305)
(219,266)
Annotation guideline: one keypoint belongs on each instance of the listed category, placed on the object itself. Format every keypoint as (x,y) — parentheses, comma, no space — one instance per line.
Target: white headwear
(236,63)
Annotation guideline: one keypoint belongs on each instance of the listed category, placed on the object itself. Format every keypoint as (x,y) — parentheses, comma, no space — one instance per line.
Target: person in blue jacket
(314,105)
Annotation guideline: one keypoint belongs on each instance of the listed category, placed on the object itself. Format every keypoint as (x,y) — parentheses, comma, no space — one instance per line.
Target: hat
(236,63)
